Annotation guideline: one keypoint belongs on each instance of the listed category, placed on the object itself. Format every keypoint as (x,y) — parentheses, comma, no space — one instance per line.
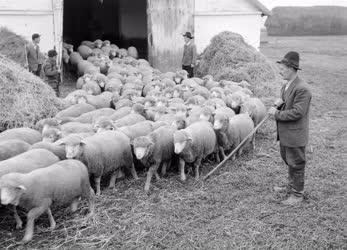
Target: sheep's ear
(21,187)
(83,142)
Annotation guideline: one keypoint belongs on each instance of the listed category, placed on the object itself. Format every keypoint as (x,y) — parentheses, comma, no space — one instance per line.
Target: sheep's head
(179,122)
(47,123)
(220,121)
(248,108)
(143,145)
(98,43)
(73,146)
(103,123)
(181,140)
(51,135)
(10,189)
(179,109)
(206,114)
(237,98)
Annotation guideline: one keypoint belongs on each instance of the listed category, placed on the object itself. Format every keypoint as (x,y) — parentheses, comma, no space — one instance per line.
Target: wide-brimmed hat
(291,59)
(188,34)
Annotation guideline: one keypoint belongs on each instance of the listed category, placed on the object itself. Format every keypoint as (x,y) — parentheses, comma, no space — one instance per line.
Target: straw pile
(229,57)
(24,98)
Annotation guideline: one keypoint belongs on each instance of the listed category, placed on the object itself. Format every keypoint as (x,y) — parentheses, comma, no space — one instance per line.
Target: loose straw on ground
(237,148)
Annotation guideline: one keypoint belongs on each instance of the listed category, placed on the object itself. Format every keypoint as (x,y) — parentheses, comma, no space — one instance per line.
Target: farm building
(154,27)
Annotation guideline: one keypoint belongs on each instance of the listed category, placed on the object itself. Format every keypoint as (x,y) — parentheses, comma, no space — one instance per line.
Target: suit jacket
(189,54)
(293,115)
(34,57)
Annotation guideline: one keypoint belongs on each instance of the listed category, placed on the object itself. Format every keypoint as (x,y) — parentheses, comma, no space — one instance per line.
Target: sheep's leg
(19,222)
(113,179)
(150,173)
(97,181)
(51,219)
(74,205)
(133,171)
(197,166)
(182,164)
(221,150)
(165,167)
(33,214)
(253,142)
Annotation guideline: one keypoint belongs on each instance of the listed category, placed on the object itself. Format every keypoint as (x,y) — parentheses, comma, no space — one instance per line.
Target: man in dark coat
(291,113)
(189,54)
(52,73)
(34,55)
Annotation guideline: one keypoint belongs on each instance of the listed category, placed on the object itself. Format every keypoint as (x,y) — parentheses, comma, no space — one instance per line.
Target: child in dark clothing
(52,73)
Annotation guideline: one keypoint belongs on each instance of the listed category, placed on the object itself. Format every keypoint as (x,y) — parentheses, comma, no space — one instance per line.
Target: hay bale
(229,57)
(24,97)
(12,46)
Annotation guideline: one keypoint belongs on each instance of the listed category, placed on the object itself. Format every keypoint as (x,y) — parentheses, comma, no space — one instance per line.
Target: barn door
(57,6)
(167,21)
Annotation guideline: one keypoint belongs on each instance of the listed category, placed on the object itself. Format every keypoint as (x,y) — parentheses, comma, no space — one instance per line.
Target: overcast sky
(273,3)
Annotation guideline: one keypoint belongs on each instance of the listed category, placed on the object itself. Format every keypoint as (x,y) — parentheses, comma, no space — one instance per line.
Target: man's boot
(293,200)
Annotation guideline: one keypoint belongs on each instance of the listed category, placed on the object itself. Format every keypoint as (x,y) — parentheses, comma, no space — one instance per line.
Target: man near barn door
(34,56)
(189,54)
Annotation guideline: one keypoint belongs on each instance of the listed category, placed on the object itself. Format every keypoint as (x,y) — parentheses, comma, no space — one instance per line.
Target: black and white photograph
(173,124)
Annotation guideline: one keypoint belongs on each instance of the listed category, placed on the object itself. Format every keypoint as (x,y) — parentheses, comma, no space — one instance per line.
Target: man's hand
(278,102)
(272,111)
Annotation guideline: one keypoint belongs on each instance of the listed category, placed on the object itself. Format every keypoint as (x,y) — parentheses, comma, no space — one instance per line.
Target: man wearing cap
(291,113)
(189,54)
(52,73)
(34,55)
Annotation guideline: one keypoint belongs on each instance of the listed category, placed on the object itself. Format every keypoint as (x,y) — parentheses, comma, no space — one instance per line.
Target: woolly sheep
(46,123)
(114,85)
(71,98)
(89,116)
(28,135)
(75,57)
(132,51)
(99,101)
(92,88)
(84,51)
(56,149)
(83,80)
(129,120)
(51,134)
(120,113)
(76,127)
(75,110)
(231,131)
(103,153)
(154,149)
(255,108)
(123,103)
(38,190)
(11,148)
(28,161)
(193,144)
(236,99)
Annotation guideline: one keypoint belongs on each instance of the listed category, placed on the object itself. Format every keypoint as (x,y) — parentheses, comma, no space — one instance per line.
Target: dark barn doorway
(123,22)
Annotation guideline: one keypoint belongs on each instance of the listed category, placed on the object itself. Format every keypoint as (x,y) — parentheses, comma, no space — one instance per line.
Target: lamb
(154,149)
(28,135)
(255,108)
(193,144)
(28,161)
(89,117)
(106,152)
(11,148)
(38,190)
(75,110)
(56,149)
(231,131)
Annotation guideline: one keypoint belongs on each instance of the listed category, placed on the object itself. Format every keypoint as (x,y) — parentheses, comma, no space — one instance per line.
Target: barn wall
(207,26)
(223,5)
(167,22)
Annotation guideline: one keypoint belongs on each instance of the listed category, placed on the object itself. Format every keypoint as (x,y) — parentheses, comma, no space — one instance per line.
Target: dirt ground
(235,208)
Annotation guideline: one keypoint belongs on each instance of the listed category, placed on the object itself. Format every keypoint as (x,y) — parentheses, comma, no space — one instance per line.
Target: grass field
(235,208)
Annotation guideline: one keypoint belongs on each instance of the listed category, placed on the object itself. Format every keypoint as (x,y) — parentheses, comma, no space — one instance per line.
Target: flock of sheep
(125,116)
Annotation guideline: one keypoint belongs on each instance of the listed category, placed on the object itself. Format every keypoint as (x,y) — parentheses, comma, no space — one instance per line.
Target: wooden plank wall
(167,21)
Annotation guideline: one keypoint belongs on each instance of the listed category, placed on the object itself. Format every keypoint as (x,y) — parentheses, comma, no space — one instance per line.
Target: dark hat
(52,53)
(291,59)
(34,36)
(189,35)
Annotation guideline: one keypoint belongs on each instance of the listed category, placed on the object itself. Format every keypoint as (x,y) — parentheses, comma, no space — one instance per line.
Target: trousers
(55,86)
(189,69)
(295,159)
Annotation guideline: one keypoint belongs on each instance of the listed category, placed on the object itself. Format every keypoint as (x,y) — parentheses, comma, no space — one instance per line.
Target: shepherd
(33,54)
(189,54)
(52,73)
(291,113)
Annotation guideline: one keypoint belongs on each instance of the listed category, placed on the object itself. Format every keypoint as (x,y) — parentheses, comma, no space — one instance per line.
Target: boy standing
(52,73)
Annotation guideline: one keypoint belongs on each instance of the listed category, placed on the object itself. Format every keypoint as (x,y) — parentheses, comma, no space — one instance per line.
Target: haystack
(24,97)
(12,46)
(229,57)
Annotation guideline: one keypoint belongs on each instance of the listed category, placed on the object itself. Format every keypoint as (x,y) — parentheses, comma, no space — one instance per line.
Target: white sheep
(28,135)
(12,148)
(59,184)
(89,117)
(75,110)
(255,108)
(55,148)
(103,153)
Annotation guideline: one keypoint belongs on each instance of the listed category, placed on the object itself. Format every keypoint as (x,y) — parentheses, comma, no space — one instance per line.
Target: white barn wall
(208,25)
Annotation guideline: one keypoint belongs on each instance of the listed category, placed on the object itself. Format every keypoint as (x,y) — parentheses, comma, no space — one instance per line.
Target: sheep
(231,131)
(106,152)
(46,123)
(56,149)
(71,98)
(255,108)
(75,110)
(84,51)
(92,88)
(99,101)
(123,103)
(76,127)
(154,149)
(11,148)
(89,116)
(236,99)
(129,119)
(28,135)
(136,130)
(51,134)
(193,144)
(75,57)
(83,80)
(114,85)
(120,113)
(103,123)
(132,51)
(28,161)
(38,190)
(225,110)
